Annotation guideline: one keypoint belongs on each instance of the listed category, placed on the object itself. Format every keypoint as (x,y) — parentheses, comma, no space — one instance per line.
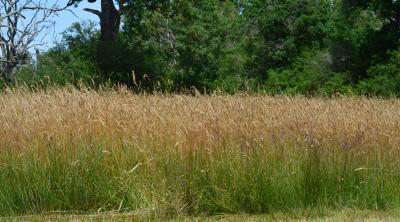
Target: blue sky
(65,19)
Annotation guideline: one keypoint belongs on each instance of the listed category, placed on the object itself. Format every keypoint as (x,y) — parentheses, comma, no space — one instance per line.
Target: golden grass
(69,114)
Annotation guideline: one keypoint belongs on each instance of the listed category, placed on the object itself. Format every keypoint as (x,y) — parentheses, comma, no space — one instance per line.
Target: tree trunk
(110,19)
(9,65)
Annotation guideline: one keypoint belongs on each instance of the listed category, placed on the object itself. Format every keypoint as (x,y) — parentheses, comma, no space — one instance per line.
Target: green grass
(172,181)
(304,215)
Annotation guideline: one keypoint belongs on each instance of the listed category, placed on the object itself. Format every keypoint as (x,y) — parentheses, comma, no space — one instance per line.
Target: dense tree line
(312,47)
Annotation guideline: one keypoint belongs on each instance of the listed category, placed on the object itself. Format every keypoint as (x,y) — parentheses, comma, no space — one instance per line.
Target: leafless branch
(94,11)
(21,25)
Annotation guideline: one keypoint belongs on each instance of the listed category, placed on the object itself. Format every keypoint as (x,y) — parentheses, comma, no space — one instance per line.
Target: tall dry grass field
(86,151)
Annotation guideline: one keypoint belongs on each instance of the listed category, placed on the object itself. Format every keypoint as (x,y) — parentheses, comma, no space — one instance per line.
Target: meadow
(87,152)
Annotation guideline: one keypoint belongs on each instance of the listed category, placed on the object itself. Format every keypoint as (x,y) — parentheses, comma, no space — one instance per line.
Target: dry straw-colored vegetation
(85,151)
(120,116)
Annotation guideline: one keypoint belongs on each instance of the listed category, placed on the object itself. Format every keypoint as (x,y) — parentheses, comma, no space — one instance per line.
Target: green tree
(278,31)
(363,33)
(383,79)
(198,42)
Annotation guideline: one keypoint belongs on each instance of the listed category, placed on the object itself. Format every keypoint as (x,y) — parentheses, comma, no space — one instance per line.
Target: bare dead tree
(23,24)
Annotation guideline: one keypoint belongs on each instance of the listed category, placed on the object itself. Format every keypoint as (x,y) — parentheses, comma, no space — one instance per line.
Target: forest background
(309,47)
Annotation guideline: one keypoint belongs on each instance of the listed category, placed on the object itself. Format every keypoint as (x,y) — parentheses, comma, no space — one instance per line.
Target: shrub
(384,79)
(309,74)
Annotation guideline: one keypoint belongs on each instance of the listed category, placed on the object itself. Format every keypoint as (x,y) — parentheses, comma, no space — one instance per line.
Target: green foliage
(207,43)
(309,74)
(384,78)
(305,47)
(195,43)
(57,67)
(362,33)
(69,62)
(2,85)
(278,31)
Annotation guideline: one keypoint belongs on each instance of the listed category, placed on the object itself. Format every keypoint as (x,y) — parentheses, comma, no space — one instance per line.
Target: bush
(57,67)
(384,79)
(309,74)
(336,84)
